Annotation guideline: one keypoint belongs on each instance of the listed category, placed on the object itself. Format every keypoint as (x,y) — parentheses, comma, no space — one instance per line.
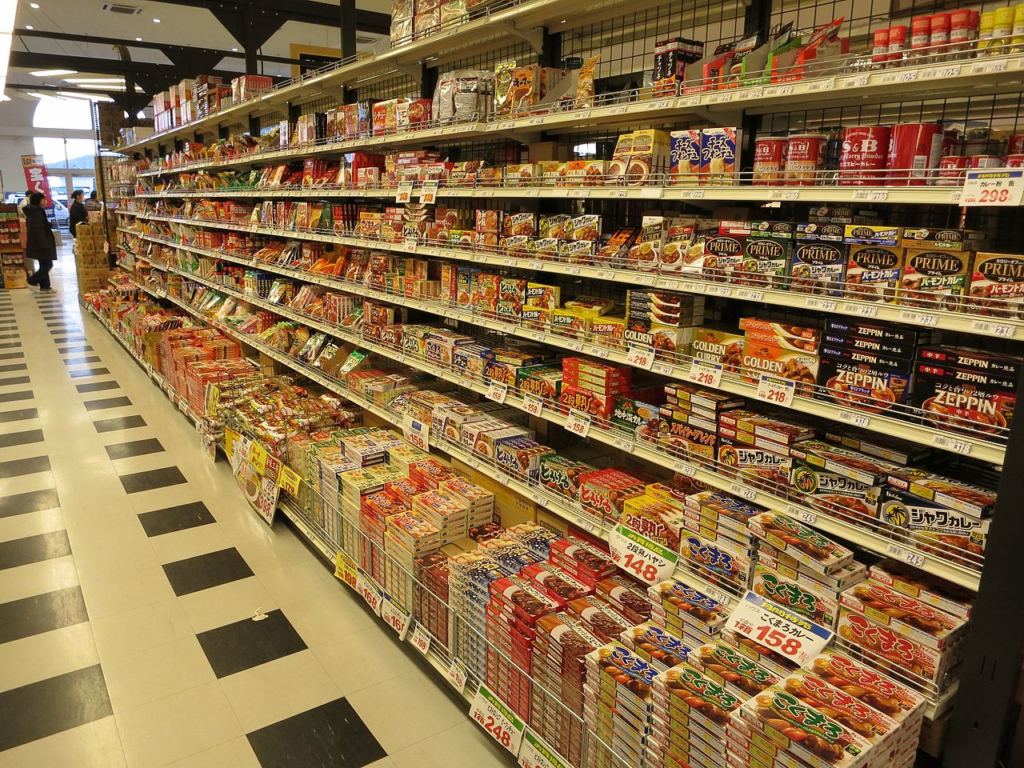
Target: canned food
(986,28)
(880,46)
(863,155)
(920,34)
(939,40)
(1015,161)
(769,160)
(986,161)
(1015,146)
(805,157)
(960,28)
(914,150)
(951,171)
(897,42)
(1001,32)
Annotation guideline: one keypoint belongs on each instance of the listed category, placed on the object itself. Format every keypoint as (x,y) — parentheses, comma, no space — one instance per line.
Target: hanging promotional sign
(35,176)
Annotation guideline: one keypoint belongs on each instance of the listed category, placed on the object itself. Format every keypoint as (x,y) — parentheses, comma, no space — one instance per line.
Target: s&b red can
(914,150)
(951,171)
(1015,146)
(862,156)
(805,156)
(769,160)
(986,161)
(1015,161)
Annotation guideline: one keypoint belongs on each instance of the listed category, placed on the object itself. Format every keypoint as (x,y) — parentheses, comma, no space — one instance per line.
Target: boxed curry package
(934,278)
(996,286)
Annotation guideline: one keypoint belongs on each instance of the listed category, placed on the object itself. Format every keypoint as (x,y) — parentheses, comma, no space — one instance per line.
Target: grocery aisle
(130,572)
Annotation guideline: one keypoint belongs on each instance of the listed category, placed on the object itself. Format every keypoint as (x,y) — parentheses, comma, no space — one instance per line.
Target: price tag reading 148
(778,628)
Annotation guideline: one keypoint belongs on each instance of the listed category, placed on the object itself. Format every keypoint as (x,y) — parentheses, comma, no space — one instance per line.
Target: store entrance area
(148,617)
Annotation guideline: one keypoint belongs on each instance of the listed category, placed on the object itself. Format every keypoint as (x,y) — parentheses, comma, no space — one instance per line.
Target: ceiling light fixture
(156,21)
(33,5)
(95,80)
(235,50)
(53,72)
(29,26)
(138,39)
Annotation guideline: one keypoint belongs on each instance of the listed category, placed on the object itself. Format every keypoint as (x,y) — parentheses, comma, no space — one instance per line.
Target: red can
(1015,161)
(1015,146)
(960,29)
(898,41)
(951,171)
(862,156)
(880,46)
(986,161)
(939,34)
(914,150)
(805,156)
(920,34)
(769,160)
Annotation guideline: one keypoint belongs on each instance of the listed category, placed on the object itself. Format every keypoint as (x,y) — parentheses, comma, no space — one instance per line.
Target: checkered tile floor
(131,569)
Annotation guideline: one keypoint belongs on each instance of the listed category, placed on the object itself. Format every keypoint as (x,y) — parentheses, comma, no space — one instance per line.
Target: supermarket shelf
(734,193)
(917,433)
(648,451)
(978,77)
(933,318)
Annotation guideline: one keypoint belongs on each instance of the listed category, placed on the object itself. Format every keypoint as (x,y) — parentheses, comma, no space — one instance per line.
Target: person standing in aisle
(40,245)
(78,214)
(92,204)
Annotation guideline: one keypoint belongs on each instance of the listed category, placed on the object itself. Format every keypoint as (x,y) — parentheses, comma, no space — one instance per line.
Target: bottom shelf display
(695,629)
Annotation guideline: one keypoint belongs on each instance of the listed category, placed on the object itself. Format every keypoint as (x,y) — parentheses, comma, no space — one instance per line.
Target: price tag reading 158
(578,423)
(778,628)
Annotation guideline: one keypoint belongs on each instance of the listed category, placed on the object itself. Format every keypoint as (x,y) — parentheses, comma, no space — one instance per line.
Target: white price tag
(663,368)
(1001,330)
(855,418)
(586,523)
(953,444)
(416,432)
(812,302)
(1002,188)
(539,500)
(689,101)
(863,310)
(575,346)
(871,195)
(651,193)
(989,67)
(497,392)
(684,469)
(579,193)
(535,121)
(941,73)
(618,193)
(420,639)
(908,556)
(369,590)
(395,616)
(750,295)
(778,628)
(647,560)
(495,717)
(784,194)
(404,192)
(411,241)
(533,404)
(458,675)
(623,444)
(724,291)
(776,391)
(428,195)
(743,491)
(537,754)
(578,423)
(645,279)
(919,318)
(855,82)
(705,373)
(801,514)
(619,110)
(827,84)
(641,357)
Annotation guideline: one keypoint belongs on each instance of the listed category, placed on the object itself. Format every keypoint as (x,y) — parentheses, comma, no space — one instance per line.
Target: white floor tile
(227,603)
(466,742)
(94,745)
(299,582)
(143,586)
(363,659)
(156,673)
(231,754)
(140,628)
(322,619)
(39,481)
(173,728)
(37,578)
(31,524)
(191,542)
(46,655)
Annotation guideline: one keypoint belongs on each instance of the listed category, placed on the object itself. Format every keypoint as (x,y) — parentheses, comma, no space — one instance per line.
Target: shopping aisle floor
(130,571)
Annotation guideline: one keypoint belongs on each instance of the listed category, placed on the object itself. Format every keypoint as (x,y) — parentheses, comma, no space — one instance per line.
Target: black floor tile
(8,335)
(82,360)
(21,438)
(10,345)
(41,613)
(14,380)
(107,402)
(249,643)
(19,415)
(205,571)
(178,518)
(124,422)
(13,367)
(331,734)
(69,339)
(134,448)
(34,549)
(88,372)
(52,706)
(12,355)
(24,503)
(97,386)
(20,467)
(152,479)
(71,350)
(10,397)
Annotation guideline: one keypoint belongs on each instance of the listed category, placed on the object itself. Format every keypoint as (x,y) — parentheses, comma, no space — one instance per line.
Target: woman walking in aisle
(40,243)
(77,214)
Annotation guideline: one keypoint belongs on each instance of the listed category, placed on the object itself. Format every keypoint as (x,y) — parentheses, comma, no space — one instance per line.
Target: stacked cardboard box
(91,260)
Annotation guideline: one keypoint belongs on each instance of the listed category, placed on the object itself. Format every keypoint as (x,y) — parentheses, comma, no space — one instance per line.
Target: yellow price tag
(258,458)
(230,437)
(289,481)
(345,569)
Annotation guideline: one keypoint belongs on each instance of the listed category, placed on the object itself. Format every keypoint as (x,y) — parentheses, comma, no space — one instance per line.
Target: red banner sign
(35,176)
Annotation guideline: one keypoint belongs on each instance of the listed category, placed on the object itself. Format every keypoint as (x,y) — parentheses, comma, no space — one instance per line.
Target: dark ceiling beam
(306,11)
(168,49)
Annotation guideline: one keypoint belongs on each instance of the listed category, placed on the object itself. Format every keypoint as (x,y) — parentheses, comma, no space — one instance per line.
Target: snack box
(871,234)
(996,285)
(910,617)
(717,557)
(732,670)
(562,475)
(723,256)
(719,155)
(925,587)
(598,617)
(655,646)
(581,560)
(763,465)
(725,511)
(972,500)
(803,544)
(692,607)
(873,272)
(766,261)
(556,583)
(790,723)
(804,596)
(933,278)
(765,657)
(817,267)
(691,694)
(653,519)
(890,449)
(776,430)
(927,237)
(891,650)
(836,493)
(963,400)
(844,462)
(892,698)
(542,380)
(816,231)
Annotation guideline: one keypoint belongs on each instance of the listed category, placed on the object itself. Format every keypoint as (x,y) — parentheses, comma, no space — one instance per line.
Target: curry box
(933,278)
(864,380)
(906,615)
(964,400)
(806,597)
(803,544)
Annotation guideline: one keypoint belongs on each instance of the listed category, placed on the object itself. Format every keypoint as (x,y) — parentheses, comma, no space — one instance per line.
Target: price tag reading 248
(778,628)
(498,719)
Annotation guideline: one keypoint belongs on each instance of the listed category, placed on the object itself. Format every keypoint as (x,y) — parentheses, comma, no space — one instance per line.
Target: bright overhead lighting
(235,50)
(29,26)
(4,97)
(37,95)
(95,80)
(138,39)
(33,5)
(53,72)
(156,21)
(84,96)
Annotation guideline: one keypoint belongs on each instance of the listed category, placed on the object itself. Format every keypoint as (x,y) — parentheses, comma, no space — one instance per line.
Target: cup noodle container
(914,150)
(862,156)
(805,157)
(952,169)
(769,160)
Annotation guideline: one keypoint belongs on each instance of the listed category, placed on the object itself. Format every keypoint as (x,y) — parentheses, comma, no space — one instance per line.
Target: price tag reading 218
(705,373)
(776,391)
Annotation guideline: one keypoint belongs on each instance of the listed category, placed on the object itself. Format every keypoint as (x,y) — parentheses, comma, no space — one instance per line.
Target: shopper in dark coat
(40,243)
(78,213)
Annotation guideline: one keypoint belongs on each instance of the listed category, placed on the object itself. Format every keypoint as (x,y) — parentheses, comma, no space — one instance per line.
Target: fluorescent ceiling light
(38,95)
(95,80)
(156,21)
(53,72)
(4,97)
(33,5)
(29,26)
(138,39)
(84,96)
